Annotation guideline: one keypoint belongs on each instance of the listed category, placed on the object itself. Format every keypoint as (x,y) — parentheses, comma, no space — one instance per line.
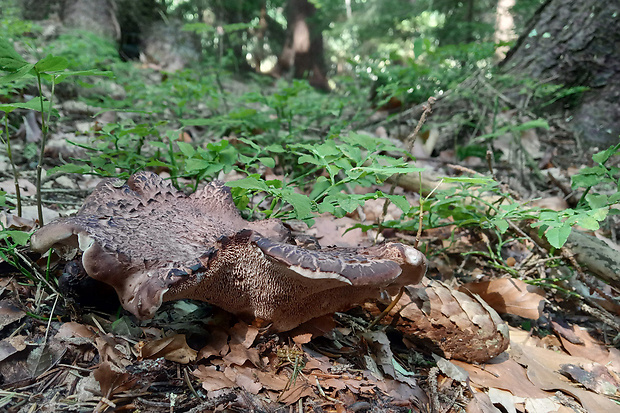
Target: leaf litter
(127,364)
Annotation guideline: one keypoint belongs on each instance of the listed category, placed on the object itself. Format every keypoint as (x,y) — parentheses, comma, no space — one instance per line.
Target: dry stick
(49,321)
(417,242)
(388,309)
(188,383)
(410,141)
(412,138)
(36,271)
(594,308)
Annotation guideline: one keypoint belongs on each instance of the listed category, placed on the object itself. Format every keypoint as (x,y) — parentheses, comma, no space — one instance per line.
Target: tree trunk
(95,16)
(576,43)
(303,48)
(504,27)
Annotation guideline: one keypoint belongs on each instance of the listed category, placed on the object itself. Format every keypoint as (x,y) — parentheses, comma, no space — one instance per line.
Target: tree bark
(303,48)
(576,44)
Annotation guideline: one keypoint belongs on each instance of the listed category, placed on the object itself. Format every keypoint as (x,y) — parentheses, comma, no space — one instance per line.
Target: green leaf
(587,177)
(51,64)
(352,152)
(10,60)
(603,156)
(187,149)
(418,47)
(268,162)
(194,165)
(599,214)
(33,104)
(18,74)
(18,237)
(300,203)
(588,223)
(557,236)
(308,159)
(249,183)
(501,224)
(275,148)
(470,180)
(400,201)
(549,216)
(242,113)
(538,123)
(596,200)
(93,72)
(388,170)
(198,122)
(70,168)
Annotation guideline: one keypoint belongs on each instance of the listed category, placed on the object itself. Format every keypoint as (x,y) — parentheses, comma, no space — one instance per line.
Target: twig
(433,387)
(388,309)
(34,268)
(428,109)
(463,169)
(49,321)
(524,235)
(322,393)
(602,315)
(189,383)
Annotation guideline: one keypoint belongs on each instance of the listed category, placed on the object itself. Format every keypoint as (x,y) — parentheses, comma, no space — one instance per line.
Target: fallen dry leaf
(9,313)
(113,350)
(481,403)
(112,379)
(173,348)
(243,333)
(11,345)
(239,354)
(72,329)
(593,377)
(505,374)
(244,378)
(217,345)
(302,338)
(212,379)
(509,295)
(586,346)
(543,367)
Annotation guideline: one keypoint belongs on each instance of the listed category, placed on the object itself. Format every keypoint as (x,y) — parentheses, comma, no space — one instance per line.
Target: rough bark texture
(576,44)
(303,48)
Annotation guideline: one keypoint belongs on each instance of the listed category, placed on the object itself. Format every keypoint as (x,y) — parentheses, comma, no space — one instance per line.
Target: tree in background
(575,44)
(303,48)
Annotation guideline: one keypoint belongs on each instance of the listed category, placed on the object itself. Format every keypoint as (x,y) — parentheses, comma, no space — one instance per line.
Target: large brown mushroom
(153,243)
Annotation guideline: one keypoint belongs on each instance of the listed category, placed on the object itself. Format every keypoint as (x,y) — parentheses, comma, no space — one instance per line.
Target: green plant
(50,68)
(10,240)
(593,207)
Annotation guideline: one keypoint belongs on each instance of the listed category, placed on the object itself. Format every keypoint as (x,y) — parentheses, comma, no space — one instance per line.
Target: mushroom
(153,243)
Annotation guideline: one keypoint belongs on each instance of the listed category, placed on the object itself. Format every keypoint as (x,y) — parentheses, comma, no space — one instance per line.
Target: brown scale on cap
(153,243)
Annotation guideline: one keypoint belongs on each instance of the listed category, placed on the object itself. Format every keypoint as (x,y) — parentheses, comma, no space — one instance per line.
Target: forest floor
(59,352)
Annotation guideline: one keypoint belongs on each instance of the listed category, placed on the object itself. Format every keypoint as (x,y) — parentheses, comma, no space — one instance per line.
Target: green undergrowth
(261,129)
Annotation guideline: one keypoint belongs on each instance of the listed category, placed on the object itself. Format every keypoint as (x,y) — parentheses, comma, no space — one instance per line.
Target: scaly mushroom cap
(152,243)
